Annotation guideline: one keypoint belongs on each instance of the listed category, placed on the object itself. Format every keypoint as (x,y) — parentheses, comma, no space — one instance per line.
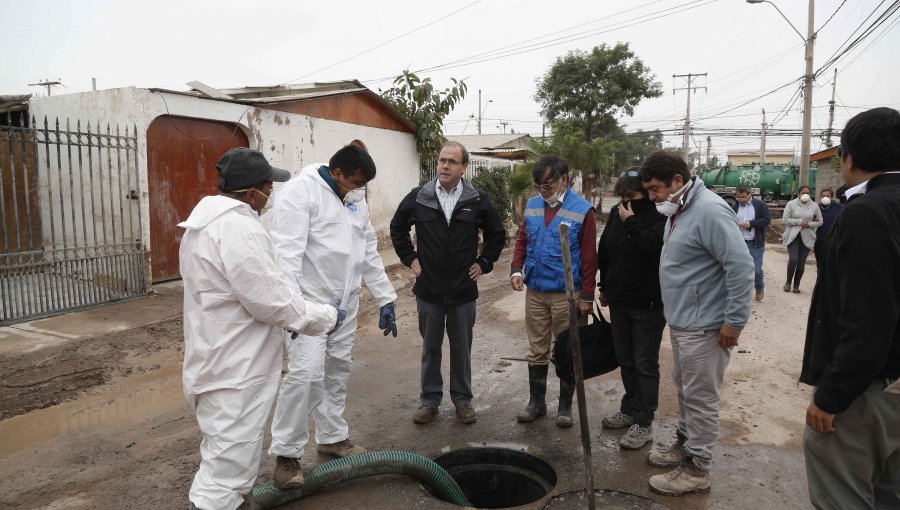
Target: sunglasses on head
(629,173)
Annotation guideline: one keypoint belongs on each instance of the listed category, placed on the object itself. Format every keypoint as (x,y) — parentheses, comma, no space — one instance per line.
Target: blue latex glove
(341,315)
(387,319)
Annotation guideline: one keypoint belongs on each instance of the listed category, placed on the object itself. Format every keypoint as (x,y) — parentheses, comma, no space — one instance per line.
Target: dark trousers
(637,333)
(797,253)
(458,320)
(819,250)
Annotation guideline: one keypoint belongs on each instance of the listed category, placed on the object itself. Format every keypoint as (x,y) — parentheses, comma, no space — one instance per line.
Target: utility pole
(685,144)
(807,96)
(504,124)
(831,112)
(762,142)
(47,83)
(708,147)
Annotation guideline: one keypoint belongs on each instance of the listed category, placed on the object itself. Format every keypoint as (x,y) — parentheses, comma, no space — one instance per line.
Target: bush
(496,184)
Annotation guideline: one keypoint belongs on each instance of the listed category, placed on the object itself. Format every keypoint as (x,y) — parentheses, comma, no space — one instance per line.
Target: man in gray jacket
(706,279)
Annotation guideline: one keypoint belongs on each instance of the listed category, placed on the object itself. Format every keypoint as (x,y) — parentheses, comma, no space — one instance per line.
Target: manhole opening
(498,477)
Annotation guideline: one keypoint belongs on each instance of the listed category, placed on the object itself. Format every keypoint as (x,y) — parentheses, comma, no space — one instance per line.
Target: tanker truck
(776,184)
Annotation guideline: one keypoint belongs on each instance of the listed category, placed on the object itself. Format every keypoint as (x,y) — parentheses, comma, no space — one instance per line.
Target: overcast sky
(500,47)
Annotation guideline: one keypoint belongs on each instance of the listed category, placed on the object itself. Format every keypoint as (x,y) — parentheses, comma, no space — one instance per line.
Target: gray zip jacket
(705,271)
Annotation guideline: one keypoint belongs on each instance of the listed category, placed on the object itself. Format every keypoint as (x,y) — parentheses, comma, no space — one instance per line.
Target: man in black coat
(852,353)
(447,213)
(753,218)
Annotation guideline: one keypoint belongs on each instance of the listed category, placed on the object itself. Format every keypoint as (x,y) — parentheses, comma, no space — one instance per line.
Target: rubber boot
(564,413)
(537,385)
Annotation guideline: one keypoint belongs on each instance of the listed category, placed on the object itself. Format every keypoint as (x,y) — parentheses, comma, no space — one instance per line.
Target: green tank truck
(776,184)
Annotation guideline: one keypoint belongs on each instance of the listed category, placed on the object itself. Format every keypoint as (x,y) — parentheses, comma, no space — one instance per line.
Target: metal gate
(71,218)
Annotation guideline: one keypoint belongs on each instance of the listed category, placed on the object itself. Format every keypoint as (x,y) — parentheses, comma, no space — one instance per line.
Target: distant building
(776,156)
(828,174)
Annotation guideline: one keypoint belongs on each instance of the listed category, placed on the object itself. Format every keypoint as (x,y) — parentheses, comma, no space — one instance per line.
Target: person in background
(801,218)
(448,214)
(851,442)
(628,259)
(706,283)
(320,225)
(830,210)
(537,263)
(236,303)
(753,218)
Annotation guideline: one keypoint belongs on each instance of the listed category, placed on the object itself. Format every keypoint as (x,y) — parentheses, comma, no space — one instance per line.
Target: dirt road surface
(101,422)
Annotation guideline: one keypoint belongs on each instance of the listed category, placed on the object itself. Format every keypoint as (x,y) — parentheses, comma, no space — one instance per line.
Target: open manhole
(498,477)
(603,498)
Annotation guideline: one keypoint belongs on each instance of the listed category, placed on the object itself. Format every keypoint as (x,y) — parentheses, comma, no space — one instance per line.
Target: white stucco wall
(289,140)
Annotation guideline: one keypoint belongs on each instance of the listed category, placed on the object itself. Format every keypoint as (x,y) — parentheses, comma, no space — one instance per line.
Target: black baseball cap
(241,168)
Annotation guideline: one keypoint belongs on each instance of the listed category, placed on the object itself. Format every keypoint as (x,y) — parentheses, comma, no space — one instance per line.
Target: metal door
(181,169)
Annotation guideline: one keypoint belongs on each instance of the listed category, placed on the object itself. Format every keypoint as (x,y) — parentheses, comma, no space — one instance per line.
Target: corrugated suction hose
(359,466)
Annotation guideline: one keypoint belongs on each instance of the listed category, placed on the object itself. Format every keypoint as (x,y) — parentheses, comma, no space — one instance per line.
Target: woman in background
(802,217)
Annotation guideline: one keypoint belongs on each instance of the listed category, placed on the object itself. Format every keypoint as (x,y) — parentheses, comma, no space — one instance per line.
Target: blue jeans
(757,254)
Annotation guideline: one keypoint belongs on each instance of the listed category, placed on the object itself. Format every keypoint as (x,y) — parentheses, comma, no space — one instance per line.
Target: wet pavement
(117,431)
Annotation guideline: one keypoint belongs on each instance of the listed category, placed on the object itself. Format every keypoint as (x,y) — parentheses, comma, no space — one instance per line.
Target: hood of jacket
(212,207)
(428,194)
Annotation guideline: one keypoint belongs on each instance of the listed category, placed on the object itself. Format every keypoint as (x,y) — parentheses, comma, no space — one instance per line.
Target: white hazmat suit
(329,248)
(236,303)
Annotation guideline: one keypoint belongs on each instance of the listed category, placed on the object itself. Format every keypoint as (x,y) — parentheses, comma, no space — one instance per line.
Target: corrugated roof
(477,142)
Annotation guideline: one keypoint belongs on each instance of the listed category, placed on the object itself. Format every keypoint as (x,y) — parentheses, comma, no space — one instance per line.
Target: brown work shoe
(340,449)
(466,414)
(668,457)
(760,294)
(288,474)
(684,479)
(425,414)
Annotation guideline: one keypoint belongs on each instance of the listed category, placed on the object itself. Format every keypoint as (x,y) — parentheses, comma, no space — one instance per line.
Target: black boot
(564,413)
(537,385)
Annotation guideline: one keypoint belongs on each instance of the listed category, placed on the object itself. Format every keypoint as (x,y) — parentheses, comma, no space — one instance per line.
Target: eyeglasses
(630,173)
(448,161)
(546,186)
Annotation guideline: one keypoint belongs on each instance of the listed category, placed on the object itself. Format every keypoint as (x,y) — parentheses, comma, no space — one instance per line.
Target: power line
(373,48)
(829,17)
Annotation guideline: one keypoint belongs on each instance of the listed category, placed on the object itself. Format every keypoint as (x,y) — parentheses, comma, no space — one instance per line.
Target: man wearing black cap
(236,302)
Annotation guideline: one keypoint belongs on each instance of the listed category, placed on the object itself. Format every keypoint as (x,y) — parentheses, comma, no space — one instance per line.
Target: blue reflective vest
(543,253)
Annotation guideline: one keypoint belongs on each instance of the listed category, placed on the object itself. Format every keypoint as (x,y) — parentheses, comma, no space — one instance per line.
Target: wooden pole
(577,365)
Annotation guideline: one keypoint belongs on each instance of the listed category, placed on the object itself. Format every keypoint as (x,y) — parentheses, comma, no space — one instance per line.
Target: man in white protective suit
(236,303)
(321,228)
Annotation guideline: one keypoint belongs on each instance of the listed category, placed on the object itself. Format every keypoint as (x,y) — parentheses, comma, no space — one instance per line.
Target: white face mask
(667,208)
(355,195)
(825,201)
(554,199)
(804,198)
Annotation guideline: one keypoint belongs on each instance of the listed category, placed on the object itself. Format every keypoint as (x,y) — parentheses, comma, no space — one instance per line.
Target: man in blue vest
(537,264)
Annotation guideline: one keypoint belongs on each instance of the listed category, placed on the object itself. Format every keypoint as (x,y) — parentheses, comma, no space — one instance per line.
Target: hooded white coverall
(236,303)
(328,248)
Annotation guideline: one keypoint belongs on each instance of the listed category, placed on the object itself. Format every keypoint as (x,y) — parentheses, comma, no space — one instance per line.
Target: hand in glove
(341,314)
(387,320)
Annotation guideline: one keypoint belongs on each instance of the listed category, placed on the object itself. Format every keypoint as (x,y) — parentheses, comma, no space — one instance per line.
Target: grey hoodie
(705,270)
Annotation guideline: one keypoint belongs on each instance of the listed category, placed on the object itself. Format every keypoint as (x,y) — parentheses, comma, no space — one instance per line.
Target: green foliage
(521,188)
(496,183)
(584,93)
(418,100)
(631,149)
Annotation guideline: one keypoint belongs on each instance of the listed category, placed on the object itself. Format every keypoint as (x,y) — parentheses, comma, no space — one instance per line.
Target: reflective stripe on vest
(543,252)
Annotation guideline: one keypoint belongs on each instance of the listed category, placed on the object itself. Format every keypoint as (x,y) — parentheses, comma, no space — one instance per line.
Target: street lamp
(480,110)
(808,42)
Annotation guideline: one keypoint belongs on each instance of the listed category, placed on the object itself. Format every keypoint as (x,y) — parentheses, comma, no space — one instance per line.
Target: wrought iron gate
(70,217)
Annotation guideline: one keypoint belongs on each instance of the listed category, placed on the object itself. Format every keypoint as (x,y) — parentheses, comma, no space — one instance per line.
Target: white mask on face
(554,200)
(355,195)
(825,201)
(667,208)
(804,198)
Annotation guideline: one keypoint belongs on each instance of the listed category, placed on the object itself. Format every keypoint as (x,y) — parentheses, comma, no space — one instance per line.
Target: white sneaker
(636,437)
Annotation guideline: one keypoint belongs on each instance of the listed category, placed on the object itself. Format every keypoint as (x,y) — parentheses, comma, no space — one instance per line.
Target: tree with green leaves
(586,92)
(418,100)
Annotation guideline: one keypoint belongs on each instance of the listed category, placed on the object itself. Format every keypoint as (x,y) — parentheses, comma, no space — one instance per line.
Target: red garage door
(181,169)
